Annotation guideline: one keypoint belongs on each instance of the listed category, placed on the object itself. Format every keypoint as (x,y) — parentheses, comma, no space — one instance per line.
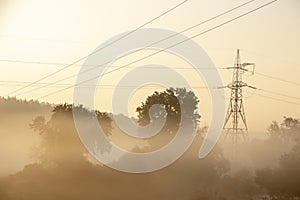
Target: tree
(60,142)
(179,104)
(288,130)
(283,182)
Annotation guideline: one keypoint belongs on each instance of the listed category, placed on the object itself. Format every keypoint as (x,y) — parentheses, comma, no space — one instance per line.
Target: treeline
(12,104)
(63,169)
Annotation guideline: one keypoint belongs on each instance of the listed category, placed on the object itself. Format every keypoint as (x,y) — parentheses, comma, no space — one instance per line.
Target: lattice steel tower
(235,121)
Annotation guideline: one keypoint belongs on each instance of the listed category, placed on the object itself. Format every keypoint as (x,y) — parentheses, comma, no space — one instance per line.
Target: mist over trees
(17,139)
(60,143)
(63,169)
(283,181)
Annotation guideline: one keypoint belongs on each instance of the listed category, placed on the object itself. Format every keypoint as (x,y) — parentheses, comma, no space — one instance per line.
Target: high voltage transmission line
(54,63)
(163,39)
(162,50)
(215,27)
(277,78)
(59,85)
(277,93)
(112,42)
(32,83)
(185,68)
(277,99)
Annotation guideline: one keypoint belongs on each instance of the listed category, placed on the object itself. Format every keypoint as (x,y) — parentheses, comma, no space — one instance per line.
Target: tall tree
(179,104)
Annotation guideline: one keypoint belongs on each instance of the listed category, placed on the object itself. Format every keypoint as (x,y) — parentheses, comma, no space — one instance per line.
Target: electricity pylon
(235,120)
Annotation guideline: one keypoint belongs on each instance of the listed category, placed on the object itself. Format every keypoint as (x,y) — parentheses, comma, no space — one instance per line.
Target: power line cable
(271,77)
(114,41)
(137,50)
(41,63)
(116,68)
(20,83)
(280,94)
(197,35)
(94,66)
(113,87)
(277,78)
(277,99)
(268,57)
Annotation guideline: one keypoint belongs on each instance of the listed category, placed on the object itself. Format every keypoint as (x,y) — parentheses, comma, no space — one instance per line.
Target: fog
(42,157)
(17,139)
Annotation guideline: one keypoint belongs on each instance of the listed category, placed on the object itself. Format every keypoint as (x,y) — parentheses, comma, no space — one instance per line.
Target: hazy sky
(62,31)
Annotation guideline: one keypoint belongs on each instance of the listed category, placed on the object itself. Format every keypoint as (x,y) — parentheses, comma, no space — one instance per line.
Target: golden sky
(62,31)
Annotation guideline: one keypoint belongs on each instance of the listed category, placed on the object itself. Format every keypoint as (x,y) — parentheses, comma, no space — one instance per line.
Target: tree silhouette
(179,104)
(60,142)
(289,129)
(283,182)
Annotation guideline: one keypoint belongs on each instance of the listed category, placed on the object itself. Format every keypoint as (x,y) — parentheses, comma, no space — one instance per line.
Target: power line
(114,41)
(268,57)
(277,78)
(115,87)
(277,99)
(280,94)
(41,63)
(55,63)
(264,90)
(60,40)
(187,29)
(20,37)
(94,66)
(115,69)
(273,77)
(197,35)
(20,83)
(137,50)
